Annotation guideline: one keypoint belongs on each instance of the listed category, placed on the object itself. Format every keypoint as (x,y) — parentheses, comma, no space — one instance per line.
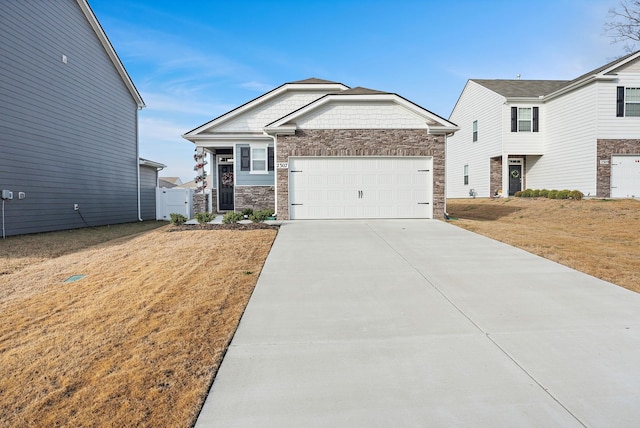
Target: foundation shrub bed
(550,194)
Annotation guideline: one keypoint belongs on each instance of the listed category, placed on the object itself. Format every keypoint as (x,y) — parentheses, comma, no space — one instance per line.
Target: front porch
(227,183)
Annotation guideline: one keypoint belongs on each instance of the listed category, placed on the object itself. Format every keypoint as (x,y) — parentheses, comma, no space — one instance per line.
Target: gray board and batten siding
(68,122)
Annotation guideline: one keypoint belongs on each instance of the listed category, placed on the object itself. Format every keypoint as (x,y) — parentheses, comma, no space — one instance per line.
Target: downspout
(138,165)
(275,174)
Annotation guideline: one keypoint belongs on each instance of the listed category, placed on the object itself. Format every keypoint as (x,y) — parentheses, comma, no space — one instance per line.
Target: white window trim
(252,158)
(626,100)
(530,120)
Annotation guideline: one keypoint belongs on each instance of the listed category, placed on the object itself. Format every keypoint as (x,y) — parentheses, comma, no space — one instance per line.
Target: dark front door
(515,179)
(225,187)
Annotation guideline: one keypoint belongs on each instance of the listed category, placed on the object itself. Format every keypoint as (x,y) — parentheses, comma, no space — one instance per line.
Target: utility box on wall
(7,194)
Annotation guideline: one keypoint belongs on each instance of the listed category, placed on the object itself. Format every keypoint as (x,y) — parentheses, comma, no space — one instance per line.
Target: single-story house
(317,149)
(581,134)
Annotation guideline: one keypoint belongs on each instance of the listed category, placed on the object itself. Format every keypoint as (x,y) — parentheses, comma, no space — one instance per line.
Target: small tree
(624,24)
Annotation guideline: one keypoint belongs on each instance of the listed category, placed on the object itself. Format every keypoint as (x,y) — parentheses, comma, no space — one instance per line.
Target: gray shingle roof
(361,91)
(521,88)
(536,88)
(314,80)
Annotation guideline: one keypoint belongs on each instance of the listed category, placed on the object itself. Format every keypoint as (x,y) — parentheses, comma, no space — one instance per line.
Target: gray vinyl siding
(245,178)
(148,181)
(67,131)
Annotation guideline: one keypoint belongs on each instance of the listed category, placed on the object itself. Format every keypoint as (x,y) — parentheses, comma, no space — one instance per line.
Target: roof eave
(280,130)
(108,47)
(152,164)
(580,83)
(443,130)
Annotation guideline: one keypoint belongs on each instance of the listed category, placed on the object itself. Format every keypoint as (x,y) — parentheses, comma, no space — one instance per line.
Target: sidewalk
(420,323)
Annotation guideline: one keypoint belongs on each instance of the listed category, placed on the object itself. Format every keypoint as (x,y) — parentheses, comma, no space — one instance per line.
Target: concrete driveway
(419,323)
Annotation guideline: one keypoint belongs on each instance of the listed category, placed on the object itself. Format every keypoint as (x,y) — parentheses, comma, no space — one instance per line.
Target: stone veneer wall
(200,203)
(255,197)
(495,179)
(361,142)
(607,148)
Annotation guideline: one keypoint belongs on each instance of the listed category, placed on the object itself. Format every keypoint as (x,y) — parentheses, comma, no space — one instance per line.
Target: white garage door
(625,176)
(360,187)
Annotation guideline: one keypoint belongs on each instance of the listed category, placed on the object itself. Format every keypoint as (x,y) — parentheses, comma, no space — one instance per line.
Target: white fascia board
(442,130)
(152,164)
(281,130)
(525,100)
(213,140)
(108,47)
(264,98)
(583,82)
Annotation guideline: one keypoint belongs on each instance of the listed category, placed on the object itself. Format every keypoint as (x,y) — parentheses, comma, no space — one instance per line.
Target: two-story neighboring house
(68,121)
(316,149)
(581,134)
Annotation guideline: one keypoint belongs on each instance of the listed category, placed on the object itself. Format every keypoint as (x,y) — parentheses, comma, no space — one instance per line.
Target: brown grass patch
(595,236)
(137,341)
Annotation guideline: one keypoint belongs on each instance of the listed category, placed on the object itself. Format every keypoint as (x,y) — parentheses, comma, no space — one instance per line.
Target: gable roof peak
(313,80)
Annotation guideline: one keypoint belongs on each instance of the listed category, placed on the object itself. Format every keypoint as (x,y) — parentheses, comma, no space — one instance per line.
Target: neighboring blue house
(68,120)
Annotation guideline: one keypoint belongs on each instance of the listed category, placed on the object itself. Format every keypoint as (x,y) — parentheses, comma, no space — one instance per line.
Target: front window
(525,118)
(259,159)
(632,102)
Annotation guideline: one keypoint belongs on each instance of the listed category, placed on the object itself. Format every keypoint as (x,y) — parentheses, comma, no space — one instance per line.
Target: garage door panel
(625,176)
(360,188)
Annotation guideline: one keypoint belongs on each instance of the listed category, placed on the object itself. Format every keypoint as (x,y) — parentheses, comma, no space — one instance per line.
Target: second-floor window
(475,131)
(628,102)
(524,119)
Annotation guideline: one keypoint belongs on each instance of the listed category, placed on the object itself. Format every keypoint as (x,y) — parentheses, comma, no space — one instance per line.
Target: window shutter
(270,159)
(514,119)
(245,159)
(535,119)
(620,102)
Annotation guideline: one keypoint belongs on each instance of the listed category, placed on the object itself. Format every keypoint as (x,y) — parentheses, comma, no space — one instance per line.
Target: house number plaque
(282,165)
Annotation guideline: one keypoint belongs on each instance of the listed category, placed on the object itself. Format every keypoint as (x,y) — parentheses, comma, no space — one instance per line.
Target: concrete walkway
(422,324)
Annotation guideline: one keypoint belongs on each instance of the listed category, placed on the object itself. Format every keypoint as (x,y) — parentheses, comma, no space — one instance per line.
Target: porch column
(505,175)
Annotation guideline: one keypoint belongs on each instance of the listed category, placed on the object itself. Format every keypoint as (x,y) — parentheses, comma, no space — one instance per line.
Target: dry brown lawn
(595,236)
(137,341)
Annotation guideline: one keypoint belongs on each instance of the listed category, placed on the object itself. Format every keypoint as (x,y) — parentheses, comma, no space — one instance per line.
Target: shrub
(563,194)
(261,215)
(576,194)
(177,219)
(247,211)
(527,193)
(204,217)
(518,194)
(553,194)
(535,193)
(231,217)
(544,193)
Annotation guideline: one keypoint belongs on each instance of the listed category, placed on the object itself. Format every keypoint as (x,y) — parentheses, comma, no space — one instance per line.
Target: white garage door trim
(360,187)
(625,176)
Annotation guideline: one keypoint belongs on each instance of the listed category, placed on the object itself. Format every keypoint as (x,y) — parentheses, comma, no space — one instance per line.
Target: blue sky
(193,60)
